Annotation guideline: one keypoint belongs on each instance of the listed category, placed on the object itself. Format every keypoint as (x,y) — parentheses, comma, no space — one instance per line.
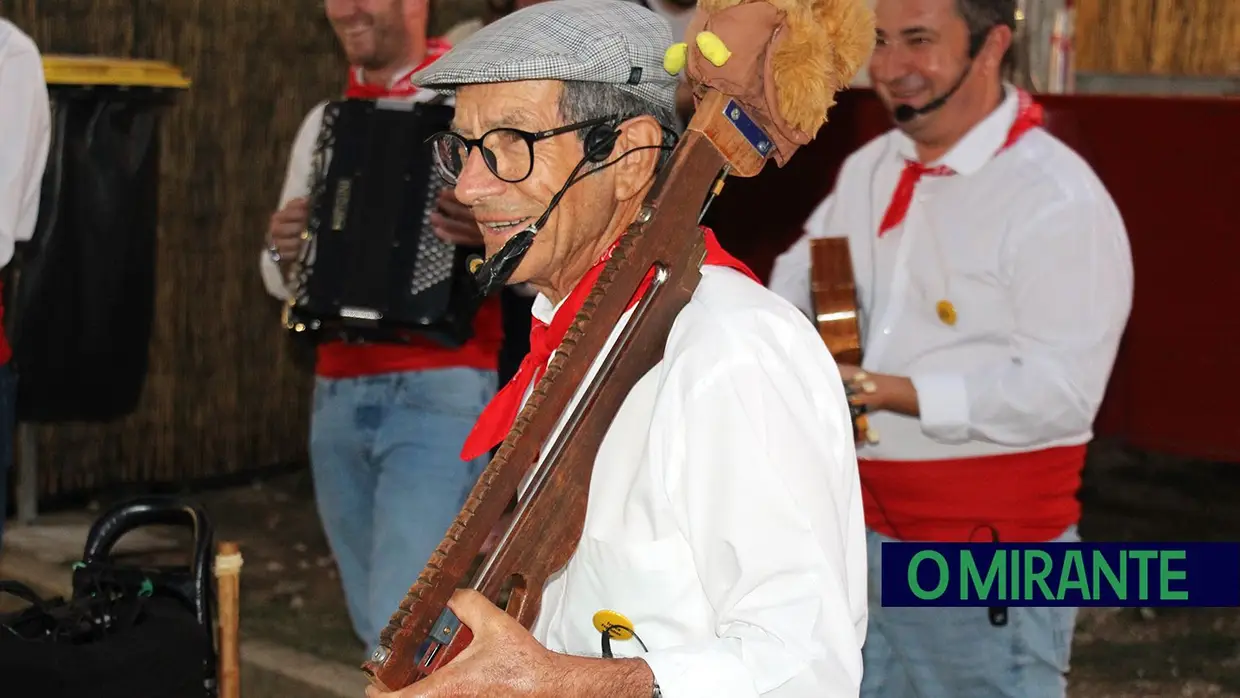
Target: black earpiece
(599,142)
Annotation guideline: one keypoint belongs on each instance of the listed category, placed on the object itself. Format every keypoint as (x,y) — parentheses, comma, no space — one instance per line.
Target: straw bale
(1159,37)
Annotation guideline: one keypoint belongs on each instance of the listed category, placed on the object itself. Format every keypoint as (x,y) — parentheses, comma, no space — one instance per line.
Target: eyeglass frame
(529,137)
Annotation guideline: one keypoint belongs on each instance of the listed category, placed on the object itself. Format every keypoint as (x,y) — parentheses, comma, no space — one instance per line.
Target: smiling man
(388,419)
(994,279)
(723,524)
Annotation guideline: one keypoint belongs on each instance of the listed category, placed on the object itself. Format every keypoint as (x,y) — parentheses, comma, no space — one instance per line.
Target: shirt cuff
(693,672)
(943,402)
(273,281)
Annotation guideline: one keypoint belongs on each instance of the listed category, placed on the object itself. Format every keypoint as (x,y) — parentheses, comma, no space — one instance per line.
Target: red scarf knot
(401,85)
(1028,115)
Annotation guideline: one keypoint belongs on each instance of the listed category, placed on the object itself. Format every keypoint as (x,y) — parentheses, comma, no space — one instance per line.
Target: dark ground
(291,593)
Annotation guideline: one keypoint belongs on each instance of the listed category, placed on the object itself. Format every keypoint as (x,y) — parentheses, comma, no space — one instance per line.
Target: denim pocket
(460,392)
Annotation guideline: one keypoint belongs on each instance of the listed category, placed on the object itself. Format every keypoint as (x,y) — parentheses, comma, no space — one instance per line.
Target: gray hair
(980,16)
(582,101)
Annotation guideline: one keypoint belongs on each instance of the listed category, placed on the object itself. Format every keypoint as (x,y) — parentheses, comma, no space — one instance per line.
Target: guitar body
(833,288)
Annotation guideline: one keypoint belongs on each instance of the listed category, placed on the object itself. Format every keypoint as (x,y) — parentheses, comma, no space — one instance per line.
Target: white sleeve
(296,184)
(762,473)
(791,271)
(25,118)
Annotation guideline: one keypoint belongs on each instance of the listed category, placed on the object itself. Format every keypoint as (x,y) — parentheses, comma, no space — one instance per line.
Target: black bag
(127,631)
(81,293)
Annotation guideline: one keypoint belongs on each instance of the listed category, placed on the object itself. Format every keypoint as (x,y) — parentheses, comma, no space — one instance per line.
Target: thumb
(473,609)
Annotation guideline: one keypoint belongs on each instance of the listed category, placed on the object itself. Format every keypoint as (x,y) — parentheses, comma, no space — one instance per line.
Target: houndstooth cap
(615,42)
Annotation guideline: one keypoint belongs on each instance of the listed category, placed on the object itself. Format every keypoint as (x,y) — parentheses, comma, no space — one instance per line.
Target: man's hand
(454,222)
(287,225)
(879,391)
(504,659)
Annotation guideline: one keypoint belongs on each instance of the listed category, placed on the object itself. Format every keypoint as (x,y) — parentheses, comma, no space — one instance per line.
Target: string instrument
(729,134)
(834,291)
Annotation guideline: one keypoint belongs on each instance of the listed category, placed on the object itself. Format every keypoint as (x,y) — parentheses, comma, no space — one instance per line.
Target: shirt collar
(359,74)
(543,310)
(978,146)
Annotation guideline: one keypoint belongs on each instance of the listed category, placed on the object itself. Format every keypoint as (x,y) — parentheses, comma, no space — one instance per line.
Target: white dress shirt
(1028,246)
(724,517)
(25,122)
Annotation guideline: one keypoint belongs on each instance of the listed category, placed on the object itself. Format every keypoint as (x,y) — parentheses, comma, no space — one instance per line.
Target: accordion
(372,268)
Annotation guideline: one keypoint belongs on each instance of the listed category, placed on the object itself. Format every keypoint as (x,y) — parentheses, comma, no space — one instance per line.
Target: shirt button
(886,330)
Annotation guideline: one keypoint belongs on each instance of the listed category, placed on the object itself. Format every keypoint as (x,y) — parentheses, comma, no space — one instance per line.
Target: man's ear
(997,43)
(636,154)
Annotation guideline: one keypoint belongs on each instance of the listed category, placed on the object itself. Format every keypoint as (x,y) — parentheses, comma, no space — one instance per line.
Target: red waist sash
(1022,497)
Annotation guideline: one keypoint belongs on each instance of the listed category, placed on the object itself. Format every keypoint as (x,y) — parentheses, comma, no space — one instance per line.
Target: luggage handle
(166,511)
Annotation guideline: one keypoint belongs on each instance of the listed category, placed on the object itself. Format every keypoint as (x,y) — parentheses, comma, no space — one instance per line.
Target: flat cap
(614,42)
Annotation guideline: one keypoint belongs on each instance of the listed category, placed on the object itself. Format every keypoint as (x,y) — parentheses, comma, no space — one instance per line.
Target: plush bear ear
(675,57)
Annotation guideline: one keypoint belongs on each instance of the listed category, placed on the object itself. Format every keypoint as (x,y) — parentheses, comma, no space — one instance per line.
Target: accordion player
(372,268)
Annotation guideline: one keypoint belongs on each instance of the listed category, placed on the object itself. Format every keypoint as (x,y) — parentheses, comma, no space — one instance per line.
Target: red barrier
(1173,166)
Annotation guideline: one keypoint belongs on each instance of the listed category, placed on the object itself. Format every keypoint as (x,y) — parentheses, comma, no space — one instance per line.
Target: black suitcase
(127,631)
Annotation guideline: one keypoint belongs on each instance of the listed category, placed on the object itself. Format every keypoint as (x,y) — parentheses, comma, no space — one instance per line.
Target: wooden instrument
(727,135)
(834,290)
(228,596)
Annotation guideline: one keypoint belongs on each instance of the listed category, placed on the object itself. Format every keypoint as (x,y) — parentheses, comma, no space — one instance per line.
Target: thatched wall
(1159,37)
(226,392)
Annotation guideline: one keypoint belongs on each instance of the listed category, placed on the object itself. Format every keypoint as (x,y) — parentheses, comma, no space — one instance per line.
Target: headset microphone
(490,274)
(905,112)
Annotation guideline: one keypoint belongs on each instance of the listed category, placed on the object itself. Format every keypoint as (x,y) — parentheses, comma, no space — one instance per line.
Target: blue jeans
(8,424)
(388,478)
(957,653)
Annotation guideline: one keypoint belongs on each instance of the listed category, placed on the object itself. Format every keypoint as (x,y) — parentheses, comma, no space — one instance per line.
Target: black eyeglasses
(508,152)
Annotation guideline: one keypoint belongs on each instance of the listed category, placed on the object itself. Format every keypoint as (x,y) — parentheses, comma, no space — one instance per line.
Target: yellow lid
(614,624)
(100,70)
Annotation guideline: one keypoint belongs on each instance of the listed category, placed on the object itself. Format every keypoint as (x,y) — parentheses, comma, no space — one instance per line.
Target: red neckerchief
(498,417)
(1028,116)
(401,86)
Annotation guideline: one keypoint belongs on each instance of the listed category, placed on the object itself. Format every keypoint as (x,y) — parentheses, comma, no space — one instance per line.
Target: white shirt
(301,168)
(724,517)
(25,121)
(1030,249)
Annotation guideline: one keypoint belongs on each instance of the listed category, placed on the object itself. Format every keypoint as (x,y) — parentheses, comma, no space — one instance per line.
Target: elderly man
(724,523)
(994,273)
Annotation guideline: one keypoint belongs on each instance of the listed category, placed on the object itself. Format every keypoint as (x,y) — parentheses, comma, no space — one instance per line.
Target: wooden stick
(228,596)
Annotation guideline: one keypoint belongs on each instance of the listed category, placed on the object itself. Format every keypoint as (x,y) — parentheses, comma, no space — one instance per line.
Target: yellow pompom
(713,48)
(675,58)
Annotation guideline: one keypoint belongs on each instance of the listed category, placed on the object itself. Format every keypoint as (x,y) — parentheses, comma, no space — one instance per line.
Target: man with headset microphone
(994,280)
(739,437)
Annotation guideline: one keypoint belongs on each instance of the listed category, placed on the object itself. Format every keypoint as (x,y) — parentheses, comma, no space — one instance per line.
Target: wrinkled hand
(879,391)
(503,659)
(454,222)
(286,226)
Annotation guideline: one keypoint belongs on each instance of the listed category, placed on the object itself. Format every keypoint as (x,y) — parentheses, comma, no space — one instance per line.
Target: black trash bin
(80,296)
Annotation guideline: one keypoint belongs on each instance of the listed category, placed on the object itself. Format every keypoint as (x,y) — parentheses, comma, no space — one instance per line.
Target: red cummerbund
(1022,497)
